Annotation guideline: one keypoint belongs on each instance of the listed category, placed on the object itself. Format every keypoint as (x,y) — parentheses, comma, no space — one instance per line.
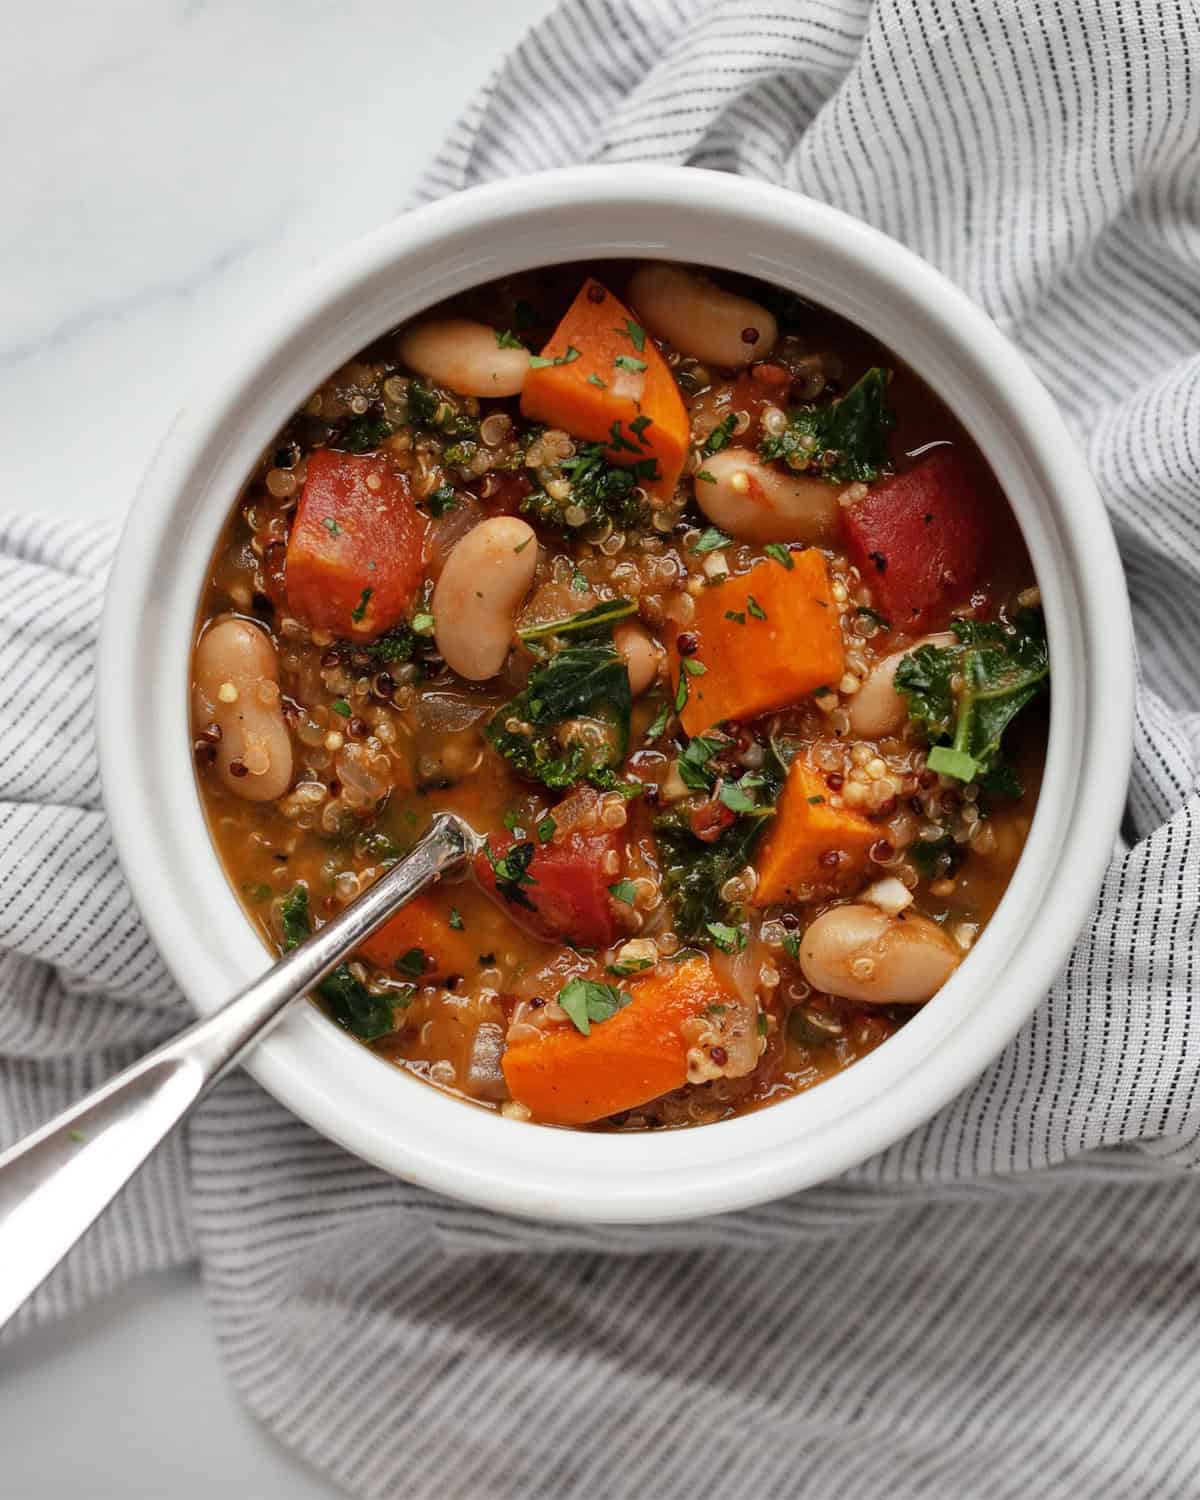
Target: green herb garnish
(442,500)
(719,437)
(413,963)
(711,539)
(540,362)
(588,680)
(964,696)
(512,873)
(588,1002)
(354,1006)
(844,441)
(599,617)
(635,332)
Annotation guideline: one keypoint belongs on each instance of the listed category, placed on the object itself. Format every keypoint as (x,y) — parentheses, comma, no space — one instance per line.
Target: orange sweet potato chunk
(810,847)
(423,924)
(766,638)
(566,1078)
(609,384)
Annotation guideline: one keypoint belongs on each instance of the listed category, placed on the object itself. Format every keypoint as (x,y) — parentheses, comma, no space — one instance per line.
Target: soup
(700,606)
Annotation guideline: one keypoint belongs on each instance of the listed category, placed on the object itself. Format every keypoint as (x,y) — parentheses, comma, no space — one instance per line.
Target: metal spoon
(57,1180)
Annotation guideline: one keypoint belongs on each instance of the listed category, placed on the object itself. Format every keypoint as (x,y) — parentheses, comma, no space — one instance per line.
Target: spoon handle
(56,1181)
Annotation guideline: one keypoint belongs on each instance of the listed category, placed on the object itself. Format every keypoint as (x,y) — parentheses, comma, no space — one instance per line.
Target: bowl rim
(397,1122)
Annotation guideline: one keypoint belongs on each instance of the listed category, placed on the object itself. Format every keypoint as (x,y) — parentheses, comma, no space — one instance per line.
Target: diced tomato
(356,553)
(918,540)
(567,888)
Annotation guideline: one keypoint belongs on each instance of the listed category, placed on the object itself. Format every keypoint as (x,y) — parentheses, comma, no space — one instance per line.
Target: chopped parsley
(359,612)
(635,333)
(711,539)
(780,553)
(362,434)
(728,939)
(587,1002)
(508,340)
(754,608)
(442,500)
(598,489)
(659,723)
(719,437)
(541,362)
(341,708)
(627,362)
(623,890)
(413,963)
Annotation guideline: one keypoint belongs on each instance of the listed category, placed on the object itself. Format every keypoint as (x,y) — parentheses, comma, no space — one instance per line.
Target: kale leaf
(362,434)
(437,410)
(354,1006)
(598,489)
(397,645)
(512,872)
(845,441)
(965,696)
(695,871)
(583,681)
(600,617)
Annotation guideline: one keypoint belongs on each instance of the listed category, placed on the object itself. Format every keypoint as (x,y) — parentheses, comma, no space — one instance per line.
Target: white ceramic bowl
(262,375)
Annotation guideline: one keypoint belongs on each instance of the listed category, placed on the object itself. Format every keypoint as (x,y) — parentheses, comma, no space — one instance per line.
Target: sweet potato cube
(765,638)
(810,847)
(607,383)
(565,1078)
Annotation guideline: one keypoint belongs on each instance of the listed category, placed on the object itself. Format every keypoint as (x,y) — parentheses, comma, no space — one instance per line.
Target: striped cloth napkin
(1003,1304)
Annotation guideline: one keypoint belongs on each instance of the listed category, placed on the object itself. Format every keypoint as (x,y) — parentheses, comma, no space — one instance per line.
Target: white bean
(862,953)
(640,652)
(755,502)
(877,709)
(486,576)
(464,356)
(237,687)
(699,318)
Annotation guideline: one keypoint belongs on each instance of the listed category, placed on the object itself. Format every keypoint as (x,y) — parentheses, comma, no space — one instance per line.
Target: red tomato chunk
(355,557)
(918,540)
(567,888)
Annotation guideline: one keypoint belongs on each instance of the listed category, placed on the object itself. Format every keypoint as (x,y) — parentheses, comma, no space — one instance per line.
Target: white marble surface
(168,165)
